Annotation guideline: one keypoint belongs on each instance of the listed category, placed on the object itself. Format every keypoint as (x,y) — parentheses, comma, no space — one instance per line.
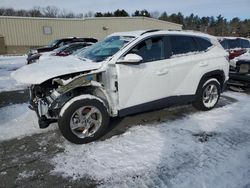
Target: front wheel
(208,95)
(84,121)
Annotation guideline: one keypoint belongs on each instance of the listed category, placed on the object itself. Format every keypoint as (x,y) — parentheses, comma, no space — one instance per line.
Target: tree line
(218,25)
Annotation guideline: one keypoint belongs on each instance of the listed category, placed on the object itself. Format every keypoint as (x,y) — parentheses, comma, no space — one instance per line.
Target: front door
(148,81)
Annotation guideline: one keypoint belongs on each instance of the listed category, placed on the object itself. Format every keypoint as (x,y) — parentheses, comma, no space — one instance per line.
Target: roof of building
(92,18)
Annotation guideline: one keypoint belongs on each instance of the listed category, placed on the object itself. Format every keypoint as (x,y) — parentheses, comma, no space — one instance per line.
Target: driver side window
(151,49)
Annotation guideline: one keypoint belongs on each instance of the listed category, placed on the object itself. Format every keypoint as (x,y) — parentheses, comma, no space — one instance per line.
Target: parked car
(62,51)
(239,55)
(236,46)
(126,73)
(240,74)
(59,43)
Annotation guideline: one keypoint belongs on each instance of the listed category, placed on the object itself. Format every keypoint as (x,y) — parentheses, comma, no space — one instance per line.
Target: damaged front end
(48,98)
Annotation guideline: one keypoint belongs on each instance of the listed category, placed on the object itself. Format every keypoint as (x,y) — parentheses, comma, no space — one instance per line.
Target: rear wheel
(208,95)
(84,121)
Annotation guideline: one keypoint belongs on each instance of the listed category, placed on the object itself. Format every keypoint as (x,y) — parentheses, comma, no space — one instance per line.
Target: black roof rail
(174,30)
(150,31)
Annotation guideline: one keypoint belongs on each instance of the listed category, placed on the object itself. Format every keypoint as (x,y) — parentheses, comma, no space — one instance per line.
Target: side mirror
(130,59)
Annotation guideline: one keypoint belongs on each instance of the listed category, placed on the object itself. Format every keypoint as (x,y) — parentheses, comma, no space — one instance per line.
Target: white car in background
(126,73)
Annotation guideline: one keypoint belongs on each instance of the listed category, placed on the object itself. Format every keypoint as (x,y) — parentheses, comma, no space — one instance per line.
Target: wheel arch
(217,74)
(101,94)
(78,98)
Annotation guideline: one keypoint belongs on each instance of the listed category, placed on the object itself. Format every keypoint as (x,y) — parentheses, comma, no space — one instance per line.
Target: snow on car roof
(231,38)
(152,32)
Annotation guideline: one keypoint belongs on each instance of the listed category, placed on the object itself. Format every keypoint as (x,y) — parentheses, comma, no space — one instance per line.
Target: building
(19,34)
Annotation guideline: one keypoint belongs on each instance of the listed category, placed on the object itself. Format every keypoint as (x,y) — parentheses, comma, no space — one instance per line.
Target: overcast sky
(227,8)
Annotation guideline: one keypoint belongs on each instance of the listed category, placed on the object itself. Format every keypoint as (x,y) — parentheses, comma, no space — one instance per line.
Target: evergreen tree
(164,16)
(120,13)
(98,14)
(142,13)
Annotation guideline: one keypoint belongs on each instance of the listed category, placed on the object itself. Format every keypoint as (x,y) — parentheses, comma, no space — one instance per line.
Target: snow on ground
(9,64)
(204,149)
(17,121)
(25,175)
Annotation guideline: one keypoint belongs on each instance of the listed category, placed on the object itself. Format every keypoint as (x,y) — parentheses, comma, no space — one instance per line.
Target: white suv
(126,73)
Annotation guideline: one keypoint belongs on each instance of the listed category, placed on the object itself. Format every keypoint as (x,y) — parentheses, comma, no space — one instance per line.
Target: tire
(84,121)
(208,95)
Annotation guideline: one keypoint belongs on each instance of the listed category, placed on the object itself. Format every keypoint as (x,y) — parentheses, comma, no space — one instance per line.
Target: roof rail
(149,31)
(174,29)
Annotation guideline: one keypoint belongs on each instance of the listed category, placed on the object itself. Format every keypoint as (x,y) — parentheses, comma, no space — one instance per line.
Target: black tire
(65,120)
(199,102)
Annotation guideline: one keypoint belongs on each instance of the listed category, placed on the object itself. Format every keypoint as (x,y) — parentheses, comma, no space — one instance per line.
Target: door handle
(162,72)
(203,64)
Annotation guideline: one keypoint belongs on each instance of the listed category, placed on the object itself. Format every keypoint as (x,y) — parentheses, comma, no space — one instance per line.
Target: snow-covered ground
(204,149)
(9,64)
(17,121)
(201,149)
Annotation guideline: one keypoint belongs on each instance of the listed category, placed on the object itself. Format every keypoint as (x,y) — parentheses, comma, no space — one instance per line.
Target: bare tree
(8,12)
(51,11)
(35,12)
(22,13)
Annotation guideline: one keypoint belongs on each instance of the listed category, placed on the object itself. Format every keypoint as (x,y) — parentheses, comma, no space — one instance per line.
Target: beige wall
(2,45)
(18,49)
(22,33)
(94,26)
(29,31)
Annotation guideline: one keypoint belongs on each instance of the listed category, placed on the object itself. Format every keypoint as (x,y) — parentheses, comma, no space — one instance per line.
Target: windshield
(104,49)
(62,48)
(79,51)
(53,43)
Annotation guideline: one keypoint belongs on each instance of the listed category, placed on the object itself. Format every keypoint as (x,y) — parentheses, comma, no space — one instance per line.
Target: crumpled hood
(41,71)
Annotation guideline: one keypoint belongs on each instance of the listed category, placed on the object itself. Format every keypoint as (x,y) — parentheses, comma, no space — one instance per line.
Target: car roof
(77,43)
(79,39)
(155,32)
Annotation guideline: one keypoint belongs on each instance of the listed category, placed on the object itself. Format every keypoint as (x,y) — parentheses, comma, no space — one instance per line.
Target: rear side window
(183,45)
(235,43)
(204,43)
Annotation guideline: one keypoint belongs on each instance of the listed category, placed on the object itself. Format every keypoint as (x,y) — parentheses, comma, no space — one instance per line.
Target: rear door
(187,63)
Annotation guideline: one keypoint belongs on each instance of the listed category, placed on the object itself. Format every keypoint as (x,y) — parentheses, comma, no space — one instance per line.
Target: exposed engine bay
(48,98)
